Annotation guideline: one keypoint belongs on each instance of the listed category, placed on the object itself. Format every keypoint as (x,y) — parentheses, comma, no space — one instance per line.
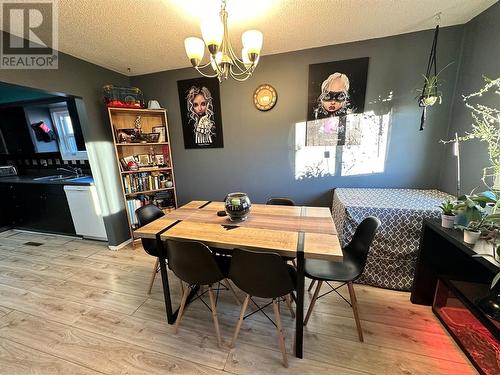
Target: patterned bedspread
(392,257)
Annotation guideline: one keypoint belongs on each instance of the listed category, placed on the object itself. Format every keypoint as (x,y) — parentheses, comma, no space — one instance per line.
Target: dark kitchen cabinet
(6,205)
(41,208)
(15,131)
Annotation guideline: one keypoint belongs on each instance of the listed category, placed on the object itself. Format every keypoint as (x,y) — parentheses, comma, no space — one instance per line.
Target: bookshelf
(143,155)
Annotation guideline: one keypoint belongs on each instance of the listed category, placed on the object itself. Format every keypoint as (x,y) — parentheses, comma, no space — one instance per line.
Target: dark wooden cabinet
(15,131)
(38,207)
(442,252)
(6,205)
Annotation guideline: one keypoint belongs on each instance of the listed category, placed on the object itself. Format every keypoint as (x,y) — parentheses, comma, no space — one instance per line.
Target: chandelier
(223,61)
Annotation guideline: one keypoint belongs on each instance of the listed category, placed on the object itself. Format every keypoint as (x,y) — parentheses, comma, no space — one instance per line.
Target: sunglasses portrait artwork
(336,90)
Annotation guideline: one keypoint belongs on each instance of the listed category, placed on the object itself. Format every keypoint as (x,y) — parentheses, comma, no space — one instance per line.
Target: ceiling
(147,35)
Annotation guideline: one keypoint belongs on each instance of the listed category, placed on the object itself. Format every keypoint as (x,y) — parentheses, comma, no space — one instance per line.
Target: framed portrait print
(336,90)
(199,99)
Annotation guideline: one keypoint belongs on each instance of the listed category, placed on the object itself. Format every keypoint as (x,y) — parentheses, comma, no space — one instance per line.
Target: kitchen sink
(47,178)
(59,177)
(62,178)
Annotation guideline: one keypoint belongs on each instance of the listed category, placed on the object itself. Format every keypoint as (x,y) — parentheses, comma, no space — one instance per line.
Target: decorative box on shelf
(123,97)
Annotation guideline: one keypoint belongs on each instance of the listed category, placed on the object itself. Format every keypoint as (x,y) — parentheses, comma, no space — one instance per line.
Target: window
(66,135)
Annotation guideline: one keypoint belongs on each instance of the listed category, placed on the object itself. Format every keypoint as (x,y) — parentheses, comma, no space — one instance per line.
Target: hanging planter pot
(429,94)
(428,101)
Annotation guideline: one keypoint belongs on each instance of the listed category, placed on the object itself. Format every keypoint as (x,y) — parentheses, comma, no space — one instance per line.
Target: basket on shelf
(123,97)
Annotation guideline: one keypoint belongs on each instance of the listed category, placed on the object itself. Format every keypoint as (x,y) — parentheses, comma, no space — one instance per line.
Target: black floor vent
(33,243)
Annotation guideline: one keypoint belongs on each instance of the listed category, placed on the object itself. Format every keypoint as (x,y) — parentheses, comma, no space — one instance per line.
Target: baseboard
(73,237)
(119,246)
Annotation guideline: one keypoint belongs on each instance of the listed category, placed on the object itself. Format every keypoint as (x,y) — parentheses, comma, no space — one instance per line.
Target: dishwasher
(86,211)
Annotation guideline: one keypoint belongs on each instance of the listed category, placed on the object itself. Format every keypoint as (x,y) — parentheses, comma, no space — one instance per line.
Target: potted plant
(447,216)
(472,231)
(430,94)
(469,208)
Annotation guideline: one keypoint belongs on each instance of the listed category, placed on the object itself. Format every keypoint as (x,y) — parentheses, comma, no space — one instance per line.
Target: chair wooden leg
(279,329)
(289,304)
(181,309)
(240,320)
(313,301)
(182,287)
(153,275)
(228,285)
(214,315)
(354,303)
(311,285)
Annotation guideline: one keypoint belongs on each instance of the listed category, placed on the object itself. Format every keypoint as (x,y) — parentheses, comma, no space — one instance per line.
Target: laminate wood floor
(72,306)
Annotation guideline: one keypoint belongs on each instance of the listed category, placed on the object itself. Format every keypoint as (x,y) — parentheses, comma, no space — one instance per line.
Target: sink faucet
(75,170)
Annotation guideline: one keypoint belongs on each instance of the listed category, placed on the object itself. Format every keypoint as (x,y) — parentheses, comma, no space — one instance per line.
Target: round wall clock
(265,97)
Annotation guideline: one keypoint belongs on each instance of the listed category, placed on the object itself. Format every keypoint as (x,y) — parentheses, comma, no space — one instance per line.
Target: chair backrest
(357,250)
(193,262)
(280,201)
(261,274)
(145,215)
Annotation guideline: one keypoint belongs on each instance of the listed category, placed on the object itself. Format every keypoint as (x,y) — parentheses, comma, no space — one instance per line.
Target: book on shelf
(163,199)
(146,181)
(132,205)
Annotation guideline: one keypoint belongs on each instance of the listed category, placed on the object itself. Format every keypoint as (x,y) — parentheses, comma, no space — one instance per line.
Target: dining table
(301,232)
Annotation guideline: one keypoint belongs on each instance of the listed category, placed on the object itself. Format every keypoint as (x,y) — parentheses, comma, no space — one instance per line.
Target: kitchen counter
(84,181)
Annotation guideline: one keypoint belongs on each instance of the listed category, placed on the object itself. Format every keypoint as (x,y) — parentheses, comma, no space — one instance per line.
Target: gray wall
(258,154)
(480,56)
(80,78)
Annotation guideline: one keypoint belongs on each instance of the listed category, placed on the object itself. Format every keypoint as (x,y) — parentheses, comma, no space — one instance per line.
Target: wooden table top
(267,227)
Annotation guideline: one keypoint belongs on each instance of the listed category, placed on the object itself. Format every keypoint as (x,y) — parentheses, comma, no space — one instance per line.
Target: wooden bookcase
(145,164)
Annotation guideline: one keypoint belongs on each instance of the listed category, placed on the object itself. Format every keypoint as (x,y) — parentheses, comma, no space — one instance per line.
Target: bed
(392,257)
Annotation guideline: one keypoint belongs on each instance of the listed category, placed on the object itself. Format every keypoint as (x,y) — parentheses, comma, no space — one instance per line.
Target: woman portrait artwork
(334,97)
(200,108)
(336,89)
(201,113)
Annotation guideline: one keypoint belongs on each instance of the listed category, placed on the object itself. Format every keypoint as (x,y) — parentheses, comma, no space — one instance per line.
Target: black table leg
(299,305)
(164,279)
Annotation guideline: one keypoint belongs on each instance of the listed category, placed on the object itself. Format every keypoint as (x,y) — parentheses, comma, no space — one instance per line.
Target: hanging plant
(429,94)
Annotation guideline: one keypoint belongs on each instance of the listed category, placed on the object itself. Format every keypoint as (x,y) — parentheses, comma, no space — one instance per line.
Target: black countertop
(31,180)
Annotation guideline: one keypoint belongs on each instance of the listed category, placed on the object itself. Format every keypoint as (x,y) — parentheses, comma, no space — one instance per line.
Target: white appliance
(86,211)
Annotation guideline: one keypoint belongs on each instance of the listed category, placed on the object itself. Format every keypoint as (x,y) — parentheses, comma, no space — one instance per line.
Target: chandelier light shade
(223,62)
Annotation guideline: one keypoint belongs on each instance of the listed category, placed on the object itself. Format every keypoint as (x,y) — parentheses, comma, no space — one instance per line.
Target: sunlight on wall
(364,151)
(369,154)
(102,162)
(310,161)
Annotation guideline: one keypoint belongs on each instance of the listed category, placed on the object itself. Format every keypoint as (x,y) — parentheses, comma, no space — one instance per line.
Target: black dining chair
(145,215)
(282,201)
(264,275)
(196,265)
(347,271)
